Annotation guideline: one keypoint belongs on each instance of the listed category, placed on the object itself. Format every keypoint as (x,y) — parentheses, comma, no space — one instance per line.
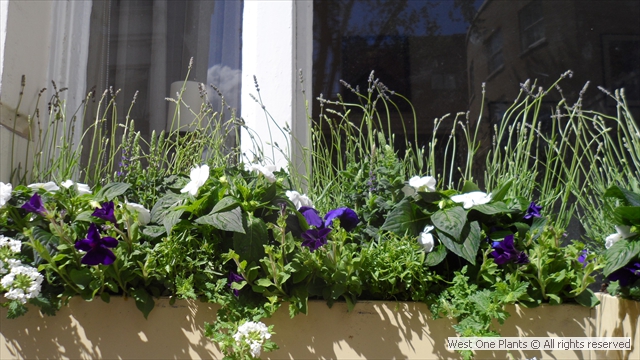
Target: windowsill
(16,123)
(495,72)
(534,46)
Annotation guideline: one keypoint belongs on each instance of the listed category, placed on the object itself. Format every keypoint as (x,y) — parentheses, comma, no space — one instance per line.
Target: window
(531,24)
(495,60)
(145,47)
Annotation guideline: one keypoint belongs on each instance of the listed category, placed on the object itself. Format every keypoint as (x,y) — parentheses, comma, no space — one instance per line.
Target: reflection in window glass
(440,53)
(145,46)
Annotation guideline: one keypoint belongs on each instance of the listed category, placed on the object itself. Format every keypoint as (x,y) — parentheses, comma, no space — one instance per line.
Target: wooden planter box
(374,330)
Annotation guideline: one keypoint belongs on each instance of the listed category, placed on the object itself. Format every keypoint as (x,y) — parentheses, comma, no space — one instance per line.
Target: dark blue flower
(34,205)
(97,247)
(311,215)
(235,278)
(582,259)
(626,275)
(315,238)
(504,251)
(532,211)
(106,212)
(348,218)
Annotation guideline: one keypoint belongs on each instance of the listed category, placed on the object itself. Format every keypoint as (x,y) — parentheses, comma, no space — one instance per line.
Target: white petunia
(473,198)
(5,193)
(48,186)
(622,232)
(144,216)
(426,239)
(81,188)
(198,176)
(299,200)
(267,170)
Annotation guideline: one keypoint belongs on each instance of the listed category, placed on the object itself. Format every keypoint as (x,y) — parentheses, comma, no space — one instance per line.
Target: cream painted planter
(374,330)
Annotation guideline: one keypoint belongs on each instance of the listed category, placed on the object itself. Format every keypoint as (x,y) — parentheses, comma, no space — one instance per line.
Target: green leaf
(81,277)
(469,186)
(469,248)
(493,208)
(499,194)
(105,297)
(450,221)
(587,298)
(227,221)
(436,256)
(153,231)
(225,204)
(111,190)
(269,194)
(45,305)
(165,205)
(430,197)
(402,219)
(623,194)
(16,309)
(619,255)
(250,244)
(628,215)
(170,219)
(144,301)
(264,282)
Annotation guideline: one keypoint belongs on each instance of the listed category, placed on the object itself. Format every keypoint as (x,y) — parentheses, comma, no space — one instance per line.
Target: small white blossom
(422,184)
(426,239)
(81,188)
(253,334)
(473,198)
(22,283)
(144,216)
(48,186)
(267,170)
(622,232)
(13,245)
(198,176)
(299,200)
(5,193)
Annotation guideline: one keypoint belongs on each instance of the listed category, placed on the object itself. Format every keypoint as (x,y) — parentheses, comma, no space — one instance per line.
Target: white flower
(253,334)
(299,200)
(144,216)
(199,176)
(622,232)
(422,184)
(13,245)
(5,193)
(22,283)
(426,239)
(81,188)
(48,186)
(267,170)
(473,198)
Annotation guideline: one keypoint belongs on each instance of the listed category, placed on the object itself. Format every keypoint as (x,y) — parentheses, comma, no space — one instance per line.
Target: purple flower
(532,211)
(311,215)
(235,278)
(106,212)
(626,275)
(348,218)
(315,238)
(504,251)
(34,205)
(97,247)
(582,259)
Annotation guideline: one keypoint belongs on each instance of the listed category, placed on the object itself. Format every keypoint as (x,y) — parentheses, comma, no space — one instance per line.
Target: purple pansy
(315,238)
(348,218)
(626,275)
(97,247)
(106,212)
(582,259)
(35,205)
(532,211)
(504,251)
(311,215)
(235,278)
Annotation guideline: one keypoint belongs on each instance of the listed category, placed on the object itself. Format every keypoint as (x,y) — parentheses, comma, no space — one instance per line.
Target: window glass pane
(145,46)
(440,53)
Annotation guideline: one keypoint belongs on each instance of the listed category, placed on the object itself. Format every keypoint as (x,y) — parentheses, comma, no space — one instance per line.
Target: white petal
(612,239)
(67,183)
(5,193)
